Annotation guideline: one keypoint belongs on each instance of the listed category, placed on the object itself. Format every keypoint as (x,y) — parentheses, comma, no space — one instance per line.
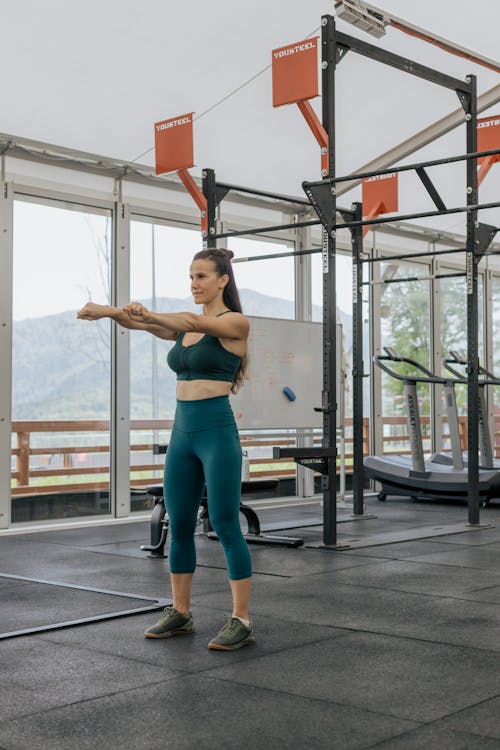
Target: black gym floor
(394,646)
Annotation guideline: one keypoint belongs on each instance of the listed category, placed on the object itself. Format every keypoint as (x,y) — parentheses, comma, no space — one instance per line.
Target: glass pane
(160,257)
(159,277)
(454,315)
(496,358)
(266,287)
(343,290)
(454,332)
(343,284)
(61,365)
(405,326)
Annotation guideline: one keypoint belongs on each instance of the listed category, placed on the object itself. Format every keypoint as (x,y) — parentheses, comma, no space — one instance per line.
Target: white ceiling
(95,76)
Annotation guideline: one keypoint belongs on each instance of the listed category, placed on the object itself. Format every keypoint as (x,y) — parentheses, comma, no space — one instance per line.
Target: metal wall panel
(120,367)
(6,266)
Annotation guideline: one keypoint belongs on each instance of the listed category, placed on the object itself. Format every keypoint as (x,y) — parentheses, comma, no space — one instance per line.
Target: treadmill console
(391,353)
(458,357)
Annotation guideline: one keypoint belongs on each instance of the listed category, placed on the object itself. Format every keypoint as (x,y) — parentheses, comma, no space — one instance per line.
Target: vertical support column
(6,277)
(436,357)
(489,358)
(304,478)
(357,363)
(414,426)
(376,421)
(120,366)
(303,296)
(209,191)
(472,309)
(455,442)
(329,56)
(485,446)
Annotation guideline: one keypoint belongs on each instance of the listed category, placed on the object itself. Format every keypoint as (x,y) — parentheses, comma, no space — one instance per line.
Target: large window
(454,315)
(404,326)
(160,257)
(454,329)
(266,287)
(495,323)
(61,365)
(343,290)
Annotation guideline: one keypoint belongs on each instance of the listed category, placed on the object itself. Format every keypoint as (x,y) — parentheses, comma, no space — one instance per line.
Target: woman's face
(206,285)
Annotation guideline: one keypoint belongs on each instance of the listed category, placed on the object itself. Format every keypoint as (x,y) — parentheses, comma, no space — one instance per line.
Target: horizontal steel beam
(426,254)
(429,277)
(401,63)
(266,230)
(269,256)
(422,215)
(404,168)
(264,194)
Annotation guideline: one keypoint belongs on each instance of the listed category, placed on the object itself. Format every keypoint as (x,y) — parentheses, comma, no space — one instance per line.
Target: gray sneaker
(233,635)
(170,623)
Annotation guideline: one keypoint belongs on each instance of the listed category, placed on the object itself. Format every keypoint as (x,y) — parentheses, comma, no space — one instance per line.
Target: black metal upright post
(210,192)
(335,45)
(357,362)
(329,406)
(472,260)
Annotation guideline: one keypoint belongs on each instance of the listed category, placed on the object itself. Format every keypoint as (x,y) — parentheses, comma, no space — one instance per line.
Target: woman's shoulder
(241,321)
(238,316)
(233,313)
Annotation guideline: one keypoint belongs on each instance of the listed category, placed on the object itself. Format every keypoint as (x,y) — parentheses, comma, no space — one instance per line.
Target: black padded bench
(159,518)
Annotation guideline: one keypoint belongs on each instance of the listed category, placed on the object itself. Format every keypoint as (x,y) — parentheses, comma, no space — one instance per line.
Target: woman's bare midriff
(194,390)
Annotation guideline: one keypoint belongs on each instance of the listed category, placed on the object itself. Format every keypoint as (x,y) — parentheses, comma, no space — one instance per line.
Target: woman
(209,357)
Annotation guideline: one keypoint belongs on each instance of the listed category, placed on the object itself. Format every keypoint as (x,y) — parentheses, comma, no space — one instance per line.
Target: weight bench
(159,518)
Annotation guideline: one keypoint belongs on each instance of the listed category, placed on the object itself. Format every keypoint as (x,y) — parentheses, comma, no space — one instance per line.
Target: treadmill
(414,477)
(486,457)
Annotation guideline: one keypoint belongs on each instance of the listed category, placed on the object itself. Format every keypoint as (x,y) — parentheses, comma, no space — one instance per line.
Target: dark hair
(221,258)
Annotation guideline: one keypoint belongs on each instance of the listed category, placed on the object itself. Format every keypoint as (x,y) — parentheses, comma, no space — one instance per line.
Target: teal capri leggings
(205,448)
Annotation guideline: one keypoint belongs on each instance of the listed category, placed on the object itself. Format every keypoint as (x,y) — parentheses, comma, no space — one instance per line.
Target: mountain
(61,365)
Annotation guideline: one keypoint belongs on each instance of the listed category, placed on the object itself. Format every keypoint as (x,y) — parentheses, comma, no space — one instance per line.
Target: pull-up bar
(403,256)
(406,167)
(265,230)
(421,215)
(264,194)
(428,277)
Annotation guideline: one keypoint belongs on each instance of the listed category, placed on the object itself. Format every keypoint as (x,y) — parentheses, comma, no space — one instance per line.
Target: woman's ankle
(241,615)
(182,609)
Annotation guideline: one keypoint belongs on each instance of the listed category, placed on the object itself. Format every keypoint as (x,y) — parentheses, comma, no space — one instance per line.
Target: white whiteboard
(282,353)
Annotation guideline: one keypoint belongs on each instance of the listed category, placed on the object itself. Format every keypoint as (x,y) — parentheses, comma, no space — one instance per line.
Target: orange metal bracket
(485,167)
(380,196)
(318,131)
(196,195)
(377,209)
(488,137)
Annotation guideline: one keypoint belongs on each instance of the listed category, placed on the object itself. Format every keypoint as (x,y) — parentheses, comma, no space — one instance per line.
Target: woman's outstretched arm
(93,311)
(232,326)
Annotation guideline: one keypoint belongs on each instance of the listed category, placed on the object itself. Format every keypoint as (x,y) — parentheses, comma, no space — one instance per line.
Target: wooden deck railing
(82,446)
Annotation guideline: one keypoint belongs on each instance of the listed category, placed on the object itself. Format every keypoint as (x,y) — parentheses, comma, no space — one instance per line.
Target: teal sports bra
(205,360)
